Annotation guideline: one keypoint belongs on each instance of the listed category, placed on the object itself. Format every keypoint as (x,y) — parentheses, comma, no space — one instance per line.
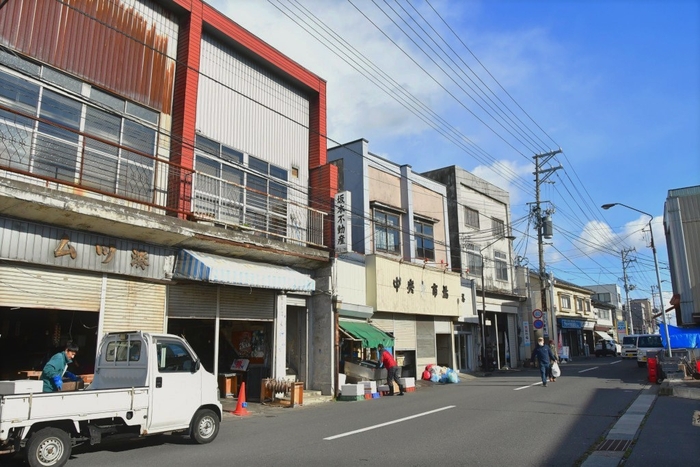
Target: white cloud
(503,174)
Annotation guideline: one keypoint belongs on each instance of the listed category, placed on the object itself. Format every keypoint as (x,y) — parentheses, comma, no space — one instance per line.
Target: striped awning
(216,269)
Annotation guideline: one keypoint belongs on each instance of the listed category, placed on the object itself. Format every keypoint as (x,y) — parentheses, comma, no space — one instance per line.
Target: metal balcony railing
(48,154)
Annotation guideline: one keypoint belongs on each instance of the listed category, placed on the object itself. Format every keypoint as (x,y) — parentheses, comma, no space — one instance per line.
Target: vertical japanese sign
(343,226)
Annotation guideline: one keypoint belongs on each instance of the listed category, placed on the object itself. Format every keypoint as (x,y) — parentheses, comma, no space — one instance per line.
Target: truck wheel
(49,447)
(205,426)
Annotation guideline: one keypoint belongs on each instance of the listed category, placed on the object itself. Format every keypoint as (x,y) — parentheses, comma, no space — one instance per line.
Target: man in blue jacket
(55,369)
(545,355)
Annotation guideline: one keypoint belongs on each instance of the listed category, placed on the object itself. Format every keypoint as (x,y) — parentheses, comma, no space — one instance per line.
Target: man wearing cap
(55,369)
(545,355)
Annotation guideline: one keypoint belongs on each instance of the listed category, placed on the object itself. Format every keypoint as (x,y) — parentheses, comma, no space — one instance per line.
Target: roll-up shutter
(247,304)
(134,306)
(443,326)
(295,300)
(402,326)
(192,301)
(29,286)
(425,337)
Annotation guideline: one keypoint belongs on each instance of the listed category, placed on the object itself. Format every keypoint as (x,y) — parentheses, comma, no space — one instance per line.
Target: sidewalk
(656,429)
(258,408)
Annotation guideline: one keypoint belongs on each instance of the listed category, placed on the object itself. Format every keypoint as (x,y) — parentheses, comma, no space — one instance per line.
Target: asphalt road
(504,419)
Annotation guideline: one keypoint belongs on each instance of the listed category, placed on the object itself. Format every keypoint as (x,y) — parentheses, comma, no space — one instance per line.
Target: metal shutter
(29,286)
(192,301)
(425,338)
(443,326)
(134,306)
(247,304)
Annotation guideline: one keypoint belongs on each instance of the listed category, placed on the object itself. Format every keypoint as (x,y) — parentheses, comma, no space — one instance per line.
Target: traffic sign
(537,313)
(538,324)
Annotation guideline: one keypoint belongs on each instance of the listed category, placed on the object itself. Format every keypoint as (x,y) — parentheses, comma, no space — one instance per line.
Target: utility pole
(626,260)
(541,176)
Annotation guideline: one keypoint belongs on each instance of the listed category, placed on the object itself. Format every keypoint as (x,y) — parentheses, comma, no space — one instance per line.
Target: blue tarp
(681,338)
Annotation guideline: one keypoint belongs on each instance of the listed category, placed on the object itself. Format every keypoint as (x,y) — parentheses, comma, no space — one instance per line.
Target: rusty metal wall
(126,46)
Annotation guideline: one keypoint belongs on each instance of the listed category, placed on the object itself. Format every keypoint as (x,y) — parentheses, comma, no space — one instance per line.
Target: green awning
(368,334)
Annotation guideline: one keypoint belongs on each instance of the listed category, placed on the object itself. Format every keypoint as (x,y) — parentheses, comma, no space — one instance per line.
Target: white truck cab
(143,384)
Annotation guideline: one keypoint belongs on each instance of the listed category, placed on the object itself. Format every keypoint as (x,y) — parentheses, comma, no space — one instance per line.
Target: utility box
(21,386)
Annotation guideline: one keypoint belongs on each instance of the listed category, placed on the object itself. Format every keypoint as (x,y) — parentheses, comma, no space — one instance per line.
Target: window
(499,228)
(501,263)
(425,245)
(471,217)
(475,264)
(602,297)
(60,152)
(226,191)
(565,302)
(579,304)
(173,357)
(386,232)
(123,351)
(588,306)
(604,314)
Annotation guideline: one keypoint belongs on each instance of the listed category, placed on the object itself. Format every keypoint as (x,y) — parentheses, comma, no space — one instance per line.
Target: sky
(486,85)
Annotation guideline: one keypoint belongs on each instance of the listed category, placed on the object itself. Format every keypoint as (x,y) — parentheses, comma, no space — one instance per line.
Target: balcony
(46,154)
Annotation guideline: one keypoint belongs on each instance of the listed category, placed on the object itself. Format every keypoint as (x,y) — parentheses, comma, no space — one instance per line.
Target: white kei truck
(143,384)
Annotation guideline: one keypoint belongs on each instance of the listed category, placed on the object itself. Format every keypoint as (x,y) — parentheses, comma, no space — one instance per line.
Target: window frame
(498,227)
(422,238)
(475,262)
(472,215)
(565,298)
(383,226)
(500,261)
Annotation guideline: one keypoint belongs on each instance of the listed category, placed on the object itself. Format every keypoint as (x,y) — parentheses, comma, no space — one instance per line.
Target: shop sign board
(526,333)
(343,224)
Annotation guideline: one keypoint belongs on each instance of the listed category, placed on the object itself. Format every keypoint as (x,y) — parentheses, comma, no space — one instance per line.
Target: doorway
(463,342)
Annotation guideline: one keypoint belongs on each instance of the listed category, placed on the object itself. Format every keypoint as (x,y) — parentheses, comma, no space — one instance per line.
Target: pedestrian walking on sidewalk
(545,355)
(550,375)
(392,371)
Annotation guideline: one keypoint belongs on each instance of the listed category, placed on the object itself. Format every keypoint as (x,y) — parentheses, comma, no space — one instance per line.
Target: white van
(629,346)
(647,343)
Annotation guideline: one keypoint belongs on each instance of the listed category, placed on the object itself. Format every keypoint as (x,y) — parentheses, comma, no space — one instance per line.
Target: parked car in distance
(629,346)
(606,347)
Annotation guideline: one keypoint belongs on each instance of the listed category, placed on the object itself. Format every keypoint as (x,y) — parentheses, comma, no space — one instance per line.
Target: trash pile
(440,374)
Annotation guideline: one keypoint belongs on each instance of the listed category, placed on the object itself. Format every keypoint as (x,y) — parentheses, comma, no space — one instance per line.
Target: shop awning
(368,334)
(216,269)
(603,335)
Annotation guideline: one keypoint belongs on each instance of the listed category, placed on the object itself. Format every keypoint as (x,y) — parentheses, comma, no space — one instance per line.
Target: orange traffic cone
(241,407)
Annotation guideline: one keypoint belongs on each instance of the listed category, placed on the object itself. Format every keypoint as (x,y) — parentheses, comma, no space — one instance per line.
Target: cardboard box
(72,386)
(21,386)
(370,386)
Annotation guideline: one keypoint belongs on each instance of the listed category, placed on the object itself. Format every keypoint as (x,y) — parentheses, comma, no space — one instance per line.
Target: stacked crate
(370,389)
(352,392)
(409,384)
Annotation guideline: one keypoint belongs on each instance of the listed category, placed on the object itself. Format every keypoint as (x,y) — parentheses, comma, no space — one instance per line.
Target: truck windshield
(629,340)
(650,341)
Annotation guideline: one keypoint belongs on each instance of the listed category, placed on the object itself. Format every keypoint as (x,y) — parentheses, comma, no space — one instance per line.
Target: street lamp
(483,303)
(656,265)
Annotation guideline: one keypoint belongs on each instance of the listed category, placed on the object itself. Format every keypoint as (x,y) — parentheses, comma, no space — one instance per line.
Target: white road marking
(374,427)
(618,361)
(528,386)
(589,369)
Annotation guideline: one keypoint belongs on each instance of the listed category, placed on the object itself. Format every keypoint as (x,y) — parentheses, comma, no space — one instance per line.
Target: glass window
(278,173)
(142,112)
(173,357)
(425,245)
(579,304)
(231,155)
(471,217)
(56,153)
(386,232)
(62,79)
(207,145)
(501,263)
(475,263)
(122,351)
(18,63)
(109,100)
(258,165)
(499,228)
(566,302)
(18,94)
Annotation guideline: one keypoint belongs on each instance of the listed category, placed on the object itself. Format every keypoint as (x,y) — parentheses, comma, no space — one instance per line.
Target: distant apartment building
(642,315)
(682,229)
(610,294)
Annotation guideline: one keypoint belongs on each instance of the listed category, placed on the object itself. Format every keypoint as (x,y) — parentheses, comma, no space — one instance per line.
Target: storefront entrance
(463,357)
(29,337)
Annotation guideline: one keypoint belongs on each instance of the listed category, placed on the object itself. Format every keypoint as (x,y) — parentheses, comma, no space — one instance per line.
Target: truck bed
(73,405)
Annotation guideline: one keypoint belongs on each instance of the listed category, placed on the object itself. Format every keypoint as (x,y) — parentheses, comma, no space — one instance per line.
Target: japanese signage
(343,224)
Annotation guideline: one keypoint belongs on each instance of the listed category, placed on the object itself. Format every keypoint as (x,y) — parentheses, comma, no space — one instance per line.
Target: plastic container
(651,369)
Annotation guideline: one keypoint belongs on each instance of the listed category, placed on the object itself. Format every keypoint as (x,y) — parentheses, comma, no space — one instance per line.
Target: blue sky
(615,84)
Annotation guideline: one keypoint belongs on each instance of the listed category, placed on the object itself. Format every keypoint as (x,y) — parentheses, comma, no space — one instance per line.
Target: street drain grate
(615,445)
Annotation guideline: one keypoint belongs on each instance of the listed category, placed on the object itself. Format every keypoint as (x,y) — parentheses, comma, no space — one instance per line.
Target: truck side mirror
(196,366)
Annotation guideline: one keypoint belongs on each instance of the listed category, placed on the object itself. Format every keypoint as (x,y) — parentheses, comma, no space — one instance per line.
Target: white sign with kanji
(343,224)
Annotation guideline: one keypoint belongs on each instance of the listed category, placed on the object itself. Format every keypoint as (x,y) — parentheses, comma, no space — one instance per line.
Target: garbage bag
(453,377)
(426,375)
(434,378)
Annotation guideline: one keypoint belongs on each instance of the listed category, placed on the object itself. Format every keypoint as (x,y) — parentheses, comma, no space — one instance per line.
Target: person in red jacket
(392,371)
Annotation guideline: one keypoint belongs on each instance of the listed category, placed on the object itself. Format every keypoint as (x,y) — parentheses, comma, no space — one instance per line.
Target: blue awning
(216,269)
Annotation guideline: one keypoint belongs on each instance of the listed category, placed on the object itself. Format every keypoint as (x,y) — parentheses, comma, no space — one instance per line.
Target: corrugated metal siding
(425,338)
(128,47)
(403,328)
(192,301)
(245,106)
(28,286)
(690,218)
(134,306)
(35,243)
(247,304)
